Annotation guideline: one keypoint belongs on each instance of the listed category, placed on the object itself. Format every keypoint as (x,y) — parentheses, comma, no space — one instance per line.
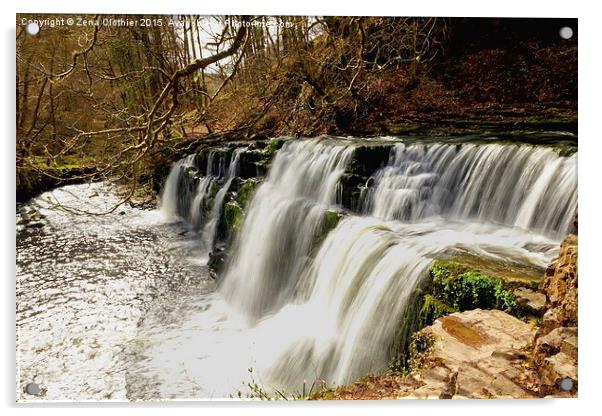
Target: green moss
(330,220)
(275,144)
(245,193)
(512,273)
(210,198)
(232,217)
(463,290)
(405,128)
(46,174)
(433,309)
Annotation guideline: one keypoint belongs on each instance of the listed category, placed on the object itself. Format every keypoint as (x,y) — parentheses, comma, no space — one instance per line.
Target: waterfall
(173,193)
(525,186)
(295,305)
(190,196)
(281,224)
(359,293)
(211,226)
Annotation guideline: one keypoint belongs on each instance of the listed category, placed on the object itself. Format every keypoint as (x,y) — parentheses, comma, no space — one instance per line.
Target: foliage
(255,390)
(129,100)
(465,290)
(233,217)
(433,309)
(245,193)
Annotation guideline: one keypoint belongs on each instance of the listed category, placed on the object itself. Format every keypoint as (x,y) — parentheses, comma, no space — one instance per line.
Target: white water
(186,193)
(291,318)
(524,186)
(283,219)
(211,226)
(172,195)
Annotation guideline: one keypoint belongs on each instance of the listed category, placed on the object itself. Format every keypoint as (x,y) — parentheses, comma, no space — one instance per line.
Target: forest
(112,101)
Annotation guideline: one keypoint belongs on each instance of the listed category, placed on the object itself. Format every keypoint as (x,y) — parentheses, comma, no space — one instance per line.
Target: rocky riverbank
(490,353)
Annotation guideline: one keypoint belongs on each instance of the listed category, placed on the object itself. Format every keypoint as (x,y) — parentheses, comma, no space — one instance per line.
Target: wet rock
(256,163)
(330,220)
(529,301)
(368,159)
(217,260)
(514,273)
(351,187)
(232,218)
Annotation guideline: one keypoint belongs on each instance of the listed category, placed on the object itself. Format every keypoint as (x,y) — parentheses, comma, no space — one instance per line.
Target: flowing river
(122,306)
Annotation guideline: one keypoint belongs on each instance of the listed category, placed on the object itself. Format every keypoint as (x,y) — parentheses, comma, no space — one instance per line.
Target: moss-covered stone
(414,358)
(404,128)
(232,218)
(433,309)
(275,144)
(31,182)
(512,273)
(453,287)
(256,162)
(330,220)
(456,286)
(245,192)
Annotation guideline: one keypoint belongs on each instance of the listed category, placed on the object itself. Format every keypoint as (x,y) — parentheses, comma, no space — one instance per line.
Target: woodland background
(124,102)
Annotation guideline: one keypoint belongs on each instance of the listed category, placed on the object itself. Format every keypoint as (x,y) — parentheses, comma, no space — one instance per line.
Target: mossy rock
(329,222)
(453,287)
(245,192)
(419,350)
(32,182)
(463,289)
(256,162)
(433,309)
(232,218)
(404,128)
(512,273)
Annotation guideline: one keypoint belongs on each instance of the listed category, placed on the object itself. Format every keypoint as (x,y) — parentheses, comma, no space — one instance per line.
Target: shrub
(465,290)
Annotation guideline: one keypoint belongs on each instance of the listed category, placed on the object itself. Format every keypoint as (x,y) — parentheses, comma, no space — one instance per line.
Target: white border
(590,202)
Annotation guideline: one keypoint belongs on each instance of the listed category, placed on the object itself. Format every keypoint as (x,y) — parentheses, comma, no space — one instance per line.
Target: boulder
(368,159)
(554,370)
(476,354)
(563,339)
(530,301)
(560,287)
(555,355)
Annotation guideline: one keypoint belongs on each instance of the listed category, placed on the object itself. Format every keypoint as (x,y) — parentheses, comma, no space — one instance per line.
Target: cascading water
(295,311)
(186,194)
(173,195)
(525,186)
(282,223)
(211,227)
